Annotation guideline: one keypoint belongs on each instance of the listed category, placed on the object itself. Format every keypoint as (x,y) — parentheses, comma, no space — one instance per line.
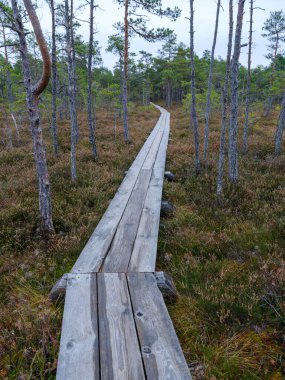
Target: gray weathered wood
(145,248)
(59,289)
(161,351)
(78,356)
(94,252)
(166,286)
(167,209)
(120,356)
(169,176)
(120,252)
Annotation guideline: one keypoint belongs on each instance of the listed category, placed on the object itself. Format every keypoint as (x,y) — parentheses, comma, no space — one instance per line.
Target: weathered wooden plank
(119,254)
(118,257)
(93,254)
(145,248)
(166,286)
(79,351)
(161,351)
(59,289)
(120,356)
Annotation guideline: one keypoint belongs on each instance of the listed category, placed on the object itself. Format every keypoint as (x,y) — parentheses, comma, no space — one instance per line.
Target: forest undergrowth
(227,260)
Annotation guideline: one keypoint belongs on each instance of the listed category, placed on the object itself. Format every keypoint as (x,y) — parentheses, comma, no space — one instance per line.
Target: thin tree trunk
(280,128)
(91,115)
(225,99)
(53,82)
(193,92)
(210,79)
(71,90)
(74,66)
(9,89)
(248,83)
(269,101)
(125,73)
(16,127)
(33,93)
(233,149)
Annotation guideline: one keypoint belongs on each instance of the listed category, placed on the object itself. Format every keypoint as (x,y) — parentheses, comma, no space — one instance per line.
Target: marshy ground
(227,260)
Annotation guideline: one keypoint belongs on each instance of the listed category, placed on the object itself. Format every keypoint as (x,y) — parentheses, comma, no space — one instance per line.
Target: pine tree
(233,149)
(137,25)
(193,92)
(208,105)
(33,93)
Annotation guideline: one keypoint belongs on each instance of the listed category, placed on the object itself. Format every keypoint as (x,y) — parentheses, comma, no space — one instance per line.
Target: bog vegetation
(69,128)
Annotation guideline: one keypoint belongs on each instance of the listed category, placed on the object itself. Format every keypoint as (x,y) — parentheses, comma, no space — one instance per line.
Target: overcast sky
(205,11)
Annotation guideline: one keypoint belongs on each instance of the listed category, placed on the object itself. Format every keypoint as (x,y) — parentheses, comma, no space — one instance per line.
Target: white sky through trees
(205,11)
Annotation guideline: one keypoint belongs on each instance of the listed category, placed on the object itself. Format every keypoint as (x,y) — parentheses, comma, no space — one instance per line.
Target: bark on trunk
(245,130)
(280,128)
(71,90)
(125,73)
(233,148)
(53,82)
(221,161)
(91,115)
(16,127)
(193,92)
(33,93)
(208,105)
(9,90)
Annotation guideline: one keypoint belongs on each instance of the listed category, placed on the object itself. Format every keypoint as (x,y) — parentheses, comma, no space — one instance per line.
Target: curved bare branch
(43,82)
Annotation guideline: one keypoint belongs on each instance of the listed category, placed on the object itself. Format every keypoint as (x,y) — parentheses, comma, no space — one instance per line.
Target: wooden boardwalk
(115,322)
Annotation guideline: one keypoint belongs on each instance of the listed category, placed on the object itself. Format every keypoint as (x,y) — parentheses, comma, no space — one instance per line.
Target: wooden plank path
(115,323)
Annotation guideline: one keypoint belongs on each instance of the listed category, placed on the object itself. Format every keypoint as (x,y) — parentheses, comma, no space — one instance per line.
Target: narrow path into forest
(115,322)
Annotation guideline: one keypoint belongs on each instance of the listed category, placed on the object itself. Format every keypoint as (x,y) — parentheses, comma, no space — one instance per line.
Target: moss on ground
(227,260)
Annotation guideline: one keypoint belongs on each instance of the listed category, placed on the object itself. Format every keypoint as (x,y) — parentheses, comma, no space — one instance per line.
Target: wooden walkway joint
(115,322)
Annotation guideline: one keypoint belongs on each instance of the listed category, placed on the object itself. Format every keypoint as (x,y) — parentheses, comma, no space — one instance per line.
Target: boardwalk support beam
(164,282)
(167,209)
(169,176)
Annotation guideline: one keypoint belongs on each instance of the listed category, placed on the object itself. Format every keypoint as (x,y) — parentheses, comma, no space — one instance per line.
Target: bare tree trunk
(168,92)
(91,115)
(248,83)
(16,127)
(280,128)
(53,81)
(71,90)
(33,93)
(9,90)
(270,99)
(74,66)
(225,99)
(193,92)
(125,73)
(233,149)
(121,63)
(208,105)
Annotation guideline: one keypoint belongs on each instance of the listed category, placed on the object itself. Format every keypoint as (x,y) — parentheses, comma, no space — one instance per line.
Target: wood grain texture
(59,289)
(79,351)
(93,254)
(161,351)
(119,254)
(145,248)
(119,347)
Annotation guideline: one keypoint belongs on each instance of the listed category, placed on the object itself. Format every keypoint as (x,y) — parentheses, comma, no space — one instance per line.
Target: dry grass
(29,264)
(227,261)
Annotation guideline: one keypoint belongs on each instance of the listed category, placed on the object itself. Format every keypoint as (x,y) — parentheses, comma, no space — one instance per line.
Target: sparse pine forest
(70,126)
